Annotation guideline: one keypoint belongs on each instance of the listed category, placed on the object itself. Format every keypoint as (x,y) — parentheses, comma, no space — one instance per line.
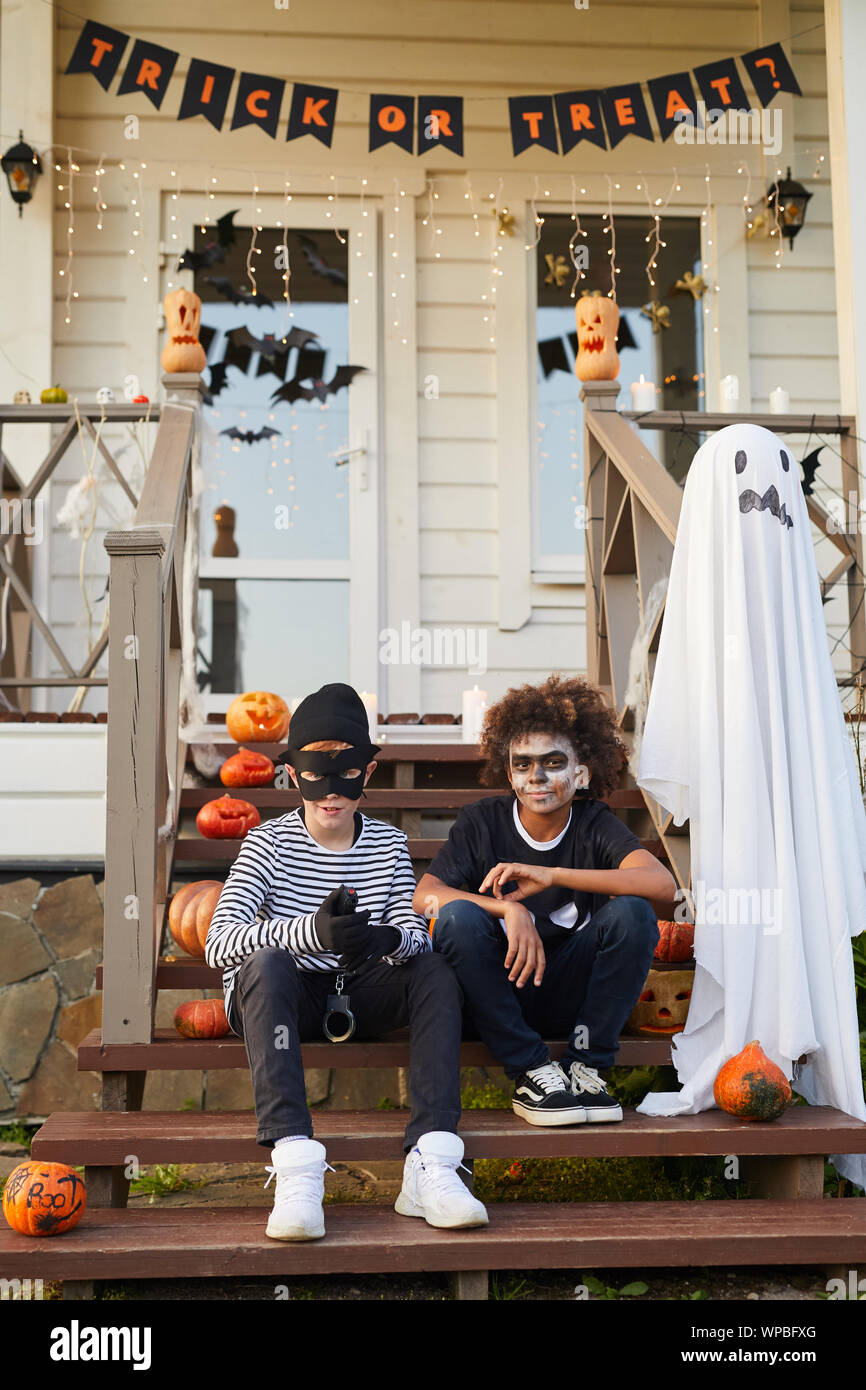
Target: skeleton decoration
(105,396)
(745,737)
(22,398)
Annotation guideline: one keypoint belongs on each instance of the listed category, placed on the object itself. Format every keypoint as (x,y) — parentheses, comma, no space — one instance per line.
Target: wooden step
(170,1052)
(381,798)
(224,1242)
(388,753)
(195,849)
(106,1138)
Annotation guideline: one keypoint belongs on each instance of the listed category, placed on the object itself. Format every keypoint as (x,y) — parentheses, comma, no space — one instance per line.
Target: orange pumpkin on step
(751,1087)
(676,941)
(201,1018)
(44,1199)
(247,769)
(226,818)
(190,912)
(258,717)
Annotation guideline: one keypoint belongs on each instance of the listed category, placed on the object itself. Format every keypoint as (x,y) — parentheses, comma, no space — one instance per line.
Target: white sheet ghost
(745,737)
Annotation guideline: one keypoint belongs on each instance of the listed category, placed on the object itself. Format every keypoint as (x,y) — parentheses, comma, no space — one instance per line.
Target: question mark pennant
(771,73)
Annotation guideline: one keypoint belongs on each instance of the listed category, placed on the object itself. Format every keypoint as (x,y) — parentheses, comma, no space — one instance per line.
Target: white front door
(290,511)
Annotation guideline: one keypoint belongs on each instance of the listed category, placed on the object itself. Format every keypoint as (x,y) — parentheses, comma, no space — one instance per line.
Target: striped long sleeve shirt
(282,875)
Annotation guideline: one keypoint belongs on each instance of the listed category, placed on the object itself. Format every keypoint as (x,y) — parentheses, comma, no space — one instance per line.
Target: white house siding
(472,506)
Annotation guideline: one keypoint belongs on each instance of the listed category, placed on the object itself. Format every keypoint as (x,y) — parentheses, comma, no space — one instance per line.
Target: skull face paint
(544,771)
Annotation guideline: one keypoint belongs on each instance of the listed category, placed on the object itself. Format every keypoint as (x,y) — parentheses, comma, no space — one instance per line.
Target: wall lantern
(22,167)
(787,200)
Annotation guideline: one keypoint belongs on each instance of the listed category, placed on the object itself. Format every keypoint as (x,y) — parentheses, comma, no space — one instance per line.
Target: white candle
(371,705)
(780,401)
(643,394)
(730,394)
(474,707)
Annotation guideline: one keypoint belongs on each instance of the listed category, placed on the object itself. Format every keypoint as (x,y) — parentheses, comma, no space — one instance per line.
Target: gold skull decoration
(663,1005)
(183,352)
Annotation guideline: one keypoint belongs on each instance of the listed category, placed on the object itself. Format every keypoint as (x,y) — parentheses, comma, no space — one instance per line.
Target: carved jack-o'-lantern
(597,326)
(257,717)
(183,352)
(663,1005)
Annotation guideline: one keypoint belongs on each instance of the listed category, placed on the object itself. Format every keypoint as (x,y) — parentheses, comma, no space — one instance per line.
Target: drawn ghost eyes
(740,460)
(786,462)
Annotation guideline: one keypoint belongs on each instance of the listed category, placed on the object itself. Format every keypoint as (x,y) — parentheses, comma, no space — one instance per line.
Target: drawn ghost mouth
(750,500)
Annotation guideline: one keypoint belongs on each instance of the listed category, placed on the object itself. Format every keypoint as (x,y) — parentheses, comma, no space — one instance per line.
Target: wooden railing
(145,752)
(20,615)
(632,512)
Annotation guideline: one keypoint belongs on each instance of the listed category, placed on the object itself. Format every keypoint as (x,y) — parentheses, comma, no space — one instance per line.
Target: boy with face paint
(287,945)
(546,906)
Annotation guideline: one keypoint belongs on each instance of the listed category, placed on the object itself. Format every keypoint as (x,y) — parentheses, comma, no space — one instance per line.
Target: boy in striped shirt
(283,940)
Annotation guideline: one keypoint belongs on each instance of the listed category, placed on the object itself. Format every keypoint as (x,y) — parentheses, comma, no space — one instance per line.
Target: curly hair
(562,705)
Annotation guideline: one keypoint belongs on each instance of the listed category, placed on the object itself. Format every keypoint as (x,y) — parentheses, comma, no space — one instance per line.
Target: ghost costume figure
(745,737)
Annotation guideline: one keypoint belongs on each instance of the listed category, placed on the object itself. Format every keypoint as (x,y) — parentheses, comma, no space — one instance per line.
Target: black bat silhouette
(294,390)
(809,466)
(218,381)
(223,286)
(214,250)
(318,265)
(269,345)
(250,436)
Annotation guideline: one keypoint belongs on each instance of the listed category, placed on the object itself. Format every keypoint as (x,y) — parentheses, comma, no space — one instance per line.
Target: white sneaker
(432,1187)
(297,1213)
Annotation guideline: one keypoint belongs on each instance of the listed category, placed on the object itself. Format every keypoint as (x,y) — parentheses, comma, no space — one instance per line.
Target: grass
(165,1178)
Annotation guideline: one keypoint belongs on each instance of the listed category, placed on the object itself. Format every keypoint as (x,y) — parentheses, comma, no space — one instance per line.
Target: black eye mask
(328,767)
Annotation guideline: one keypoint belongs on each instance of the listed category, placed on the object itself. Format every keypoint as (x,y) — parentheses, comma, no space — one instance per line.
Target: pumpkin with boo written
(247,769)
(257,717)
(226,818)
(597,325)
(44,1199)
(183,352)
(190,913)
(676,941)
(201,1018)
(751,1086)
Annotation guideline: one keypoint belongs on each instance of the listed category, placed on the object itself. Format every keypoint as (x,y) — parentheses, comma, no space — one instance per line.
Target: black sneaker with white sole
(592,1094)
(543,1096)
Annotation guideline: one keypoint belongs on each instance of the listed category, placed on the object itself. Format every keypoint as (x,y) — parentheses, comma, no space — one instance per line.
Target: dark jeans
(276,1006)
(592,980)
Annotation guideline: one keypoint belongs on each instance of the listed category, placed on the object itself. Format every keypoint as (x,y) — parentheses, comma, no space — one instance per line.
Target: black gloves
(350,935)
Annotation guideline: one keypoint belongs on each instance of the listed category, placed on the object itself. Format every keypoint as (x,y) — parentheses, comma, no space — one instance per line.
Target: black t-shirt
(485,834)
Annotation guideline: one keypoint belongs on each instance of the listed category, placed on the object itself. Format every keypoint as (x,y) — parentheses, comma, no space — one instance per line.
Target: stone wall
(50,945)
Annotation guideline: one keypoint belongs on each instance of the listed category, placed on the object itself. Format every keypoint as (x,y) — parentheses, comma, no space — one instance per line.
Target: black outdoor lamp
(22,167)
(787,200)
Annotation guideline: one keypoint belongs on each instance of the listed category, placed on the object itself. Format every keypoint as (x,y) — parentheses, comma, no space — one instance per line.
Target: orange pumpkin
(676,941)
(44,1199)
(201,1018)
(226,818)
(247,769)
(752,1087)
(183,352)
(663,1005)
(258,717)
(190,913)
(597,319)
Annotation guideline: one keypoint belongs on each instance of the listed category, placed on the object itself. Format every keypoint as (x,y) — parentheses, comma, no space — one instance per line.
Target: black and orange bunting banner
(418,124)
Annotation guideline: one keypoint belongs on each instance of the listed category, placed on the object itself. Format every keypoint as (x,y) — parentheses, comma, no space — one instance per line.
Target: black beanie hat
(333,712)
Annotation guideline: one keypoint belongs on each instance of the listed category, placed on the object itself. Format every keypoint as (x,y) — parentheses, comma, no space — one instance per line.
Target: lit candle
(643,394)
(730,394)
(474,707)
(371,705)
(780,401)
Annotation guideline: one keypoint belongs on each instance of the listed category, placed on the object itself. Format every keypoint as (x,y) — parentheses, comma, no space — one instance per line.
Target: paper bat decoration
(223,286)
(318,265)
(268,345)
(809,466)
(250,436)
(294,390)
(214,250)
(217,383)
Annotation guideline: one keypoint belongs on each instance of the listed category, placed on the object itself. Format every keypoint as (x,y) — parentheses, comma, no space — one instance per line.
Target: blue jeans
(591,982)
